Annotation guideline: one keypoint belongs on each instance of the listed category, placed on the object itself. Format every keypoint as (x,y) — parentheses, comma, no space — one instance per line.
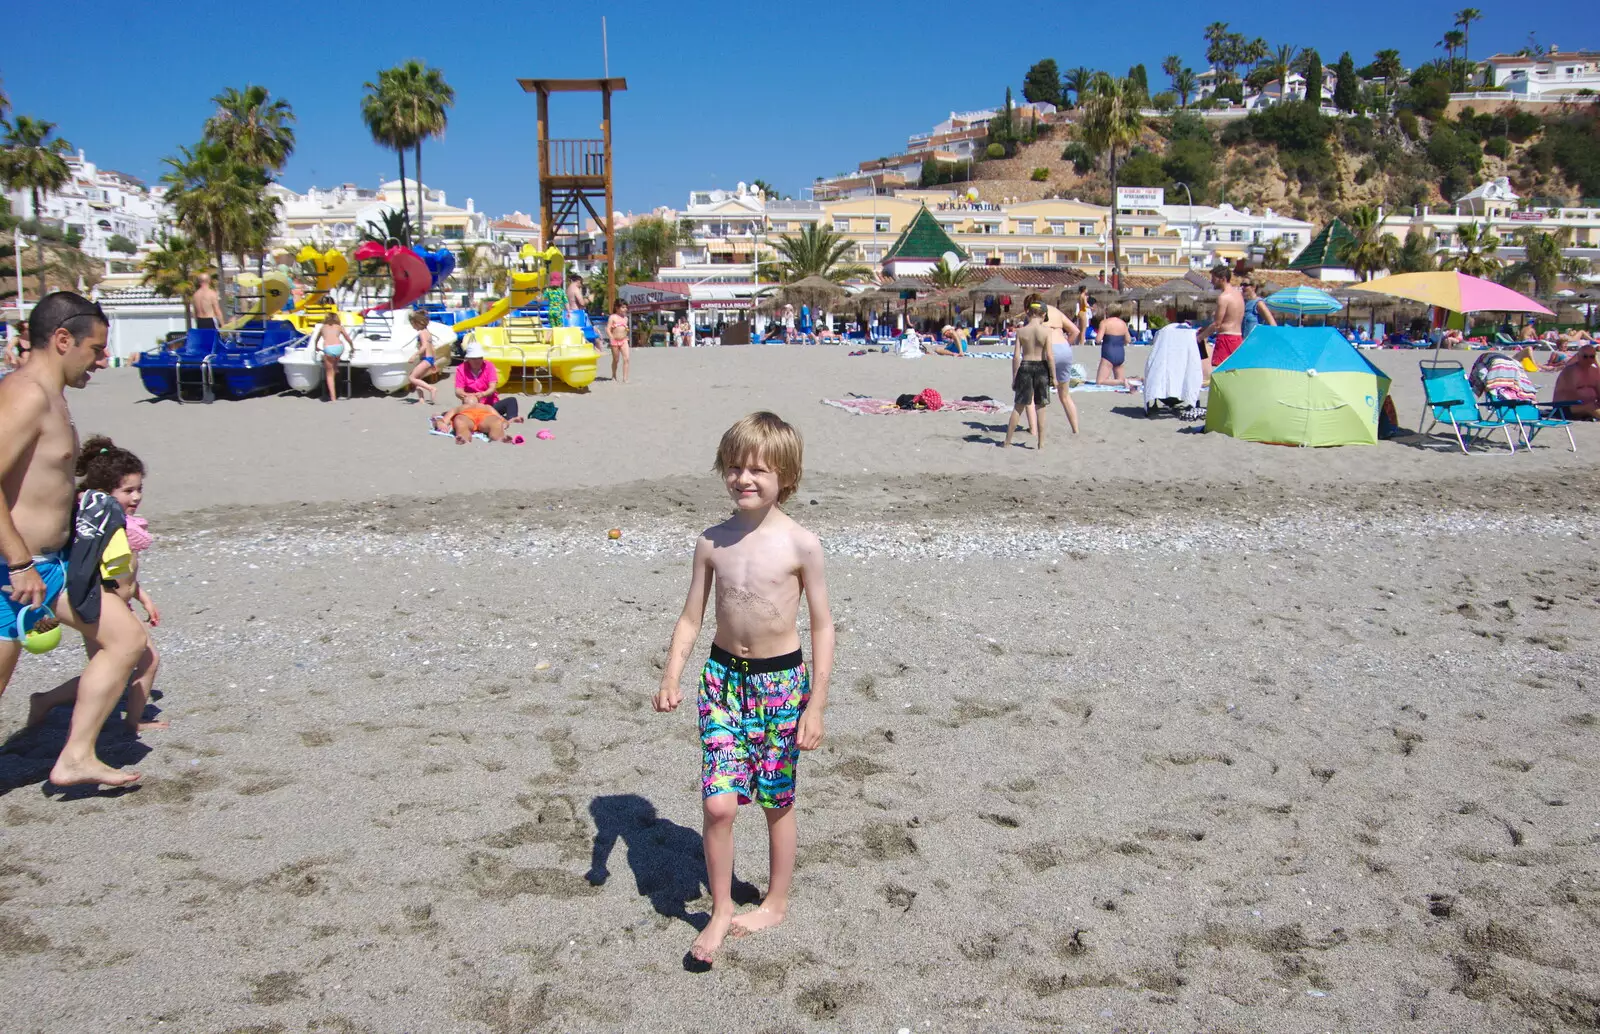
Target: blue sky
(718,93)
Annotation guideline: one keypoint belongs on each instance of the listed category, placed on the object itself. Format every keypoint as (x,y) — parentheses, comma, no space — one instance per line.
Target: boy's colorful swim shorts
(749,712)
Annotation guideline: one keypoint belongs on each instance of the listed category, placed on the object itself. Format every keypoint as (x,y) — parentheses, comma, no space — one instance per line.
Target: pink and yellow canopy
(1454,291)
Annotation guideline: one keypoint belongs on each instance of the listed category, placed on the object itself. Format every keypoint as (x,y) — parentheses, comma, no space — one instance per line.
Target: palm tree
(1277,255)
(1111,121)
(421,99)
(1453,41)
(1386,65)
(220,200)
(31,160)
(1414,255)
(1464,18)
(380,112)
(946,278)
(649,243)
(816,251)
(1185,84)
(1171,65)
(1079,80)
(1477,255)
(1544,261)
(171,270)
(255,128)
(1280,62)
(1371,249)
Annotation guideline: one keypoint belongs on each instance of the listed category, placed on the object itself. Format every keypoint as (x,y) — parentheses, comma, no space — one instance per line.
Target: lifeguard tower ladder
(573,174)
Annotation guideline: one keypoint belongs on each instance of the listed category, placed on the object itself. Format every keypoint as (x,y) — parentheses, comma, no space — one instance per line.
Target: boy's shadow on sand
(668,860)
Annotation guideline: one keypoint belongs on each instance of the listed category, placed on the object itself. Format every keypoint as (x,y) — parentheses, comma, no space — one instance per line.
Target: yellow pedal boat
(528,356)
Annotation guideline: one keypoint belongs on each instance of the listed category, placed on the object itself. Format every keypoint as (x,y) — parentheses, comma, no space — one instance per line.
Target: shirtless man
(1227,324)
(1033,374)
(1063,335)
(1579,382)
(207,306)
(38,450)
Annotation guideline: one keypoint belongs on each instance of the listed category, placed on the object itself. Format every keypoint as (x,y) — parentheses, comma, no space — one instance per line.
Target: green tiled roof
(1324,247)
(924,238)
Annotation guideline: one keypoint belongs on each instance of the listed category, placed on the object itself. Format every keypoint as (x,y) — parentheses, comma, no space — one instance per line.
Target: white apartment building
(1499,208)
(336,215)
(1546,77)
(1212,234)
(99,204)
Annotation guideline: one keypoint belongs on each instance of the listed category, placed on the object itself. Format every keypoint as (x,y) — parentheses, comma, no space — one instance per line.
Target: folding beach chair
(1530,421)
(1449,401)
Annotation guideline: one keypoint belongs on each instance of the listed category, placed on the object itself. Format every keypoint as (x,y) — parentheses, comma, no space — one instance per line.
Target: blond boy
(759,704)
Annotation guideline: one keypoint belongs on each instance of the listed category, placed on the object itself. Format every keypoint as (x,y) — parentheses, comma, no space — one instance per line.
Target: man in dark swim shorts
(1033,374)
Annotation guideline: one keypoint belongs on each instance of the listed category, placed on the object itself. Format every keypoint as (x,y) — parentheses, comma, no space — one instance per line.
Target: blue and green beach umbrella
(1297,386)
(1304,301)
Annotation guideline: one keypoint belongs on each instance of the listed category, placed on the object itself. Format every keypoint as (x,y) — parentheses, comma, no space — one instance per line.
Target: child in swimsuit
(759,704)
(424,359)
(330,347)
(105,467)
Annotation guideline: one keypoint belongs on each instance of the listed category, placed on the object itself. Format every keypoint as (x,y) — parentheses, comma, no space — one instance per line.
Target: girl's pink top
(485,381)
(139,537)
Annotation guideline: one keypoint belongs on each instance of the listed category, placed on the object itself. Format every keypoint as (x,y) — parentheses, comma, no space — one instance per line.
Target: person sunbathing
(1579,384)
(464,421)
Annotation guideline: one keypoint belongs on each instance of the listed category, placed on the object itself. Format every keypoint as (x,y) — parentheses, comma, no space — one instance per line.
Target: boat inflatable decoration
(406,268)
(441,262)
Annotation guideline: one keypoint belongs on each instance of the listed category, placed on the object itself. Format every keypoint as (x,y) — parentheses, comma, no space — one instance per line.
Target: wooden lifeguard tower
(573,174)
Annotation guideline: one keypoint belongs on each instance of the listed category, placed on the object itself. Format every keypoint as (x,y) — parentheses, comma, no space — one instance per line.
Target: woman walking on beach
(617,335)
(331,348)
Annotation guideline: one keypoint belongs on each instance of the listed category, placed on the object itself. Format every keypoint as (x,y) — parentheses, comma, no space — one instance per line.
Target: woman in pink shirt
(476,381)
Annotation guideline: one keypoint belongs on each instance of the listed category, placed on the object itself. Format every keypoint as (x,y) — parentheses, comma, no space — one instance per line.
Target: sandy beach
(1153,731)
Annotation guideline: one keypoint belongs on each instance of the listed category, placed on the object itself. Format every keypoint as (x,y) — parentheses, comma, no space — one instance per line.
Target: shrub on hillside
(1142,169)
(1575,147)
(1521,125)
(1409,125)
(1498,146)
(1164,101)
(1078,153)
(995,151)
(1456,157)
(1039,175)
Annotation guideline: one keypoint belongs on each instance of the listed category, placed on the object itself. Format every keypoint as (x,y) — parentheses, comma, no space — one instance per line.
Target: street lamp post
(17,246)
(1193,228)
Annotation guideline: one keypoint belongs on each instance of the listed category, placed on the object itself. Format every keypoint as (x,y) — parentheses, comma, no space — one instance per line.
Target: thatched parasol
(815,291)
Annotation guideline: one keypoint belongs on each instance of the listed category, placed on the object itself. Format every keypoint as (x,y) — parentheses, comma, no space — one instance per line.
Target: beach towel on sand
(873,407)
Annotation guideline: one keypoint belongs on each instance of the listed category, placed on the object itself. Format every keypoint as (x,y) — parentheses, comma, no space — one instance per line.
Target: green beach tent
(1297,386)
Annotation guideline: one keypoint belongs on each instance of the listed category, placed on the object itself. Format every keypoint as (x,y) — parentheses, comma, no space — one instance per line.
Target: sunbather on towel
(1579,382)
(463,421)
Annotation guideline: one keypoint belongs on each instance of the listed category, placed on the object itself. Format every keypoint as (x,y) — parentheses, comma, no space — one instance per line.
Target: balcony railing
(577,157)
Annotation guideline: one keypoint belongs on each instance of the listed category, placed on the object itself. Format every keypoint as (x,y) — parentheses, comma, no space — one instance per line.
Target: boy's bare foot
(710,939)
(758,919)
(92,772)
(138,727)
(39,709)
